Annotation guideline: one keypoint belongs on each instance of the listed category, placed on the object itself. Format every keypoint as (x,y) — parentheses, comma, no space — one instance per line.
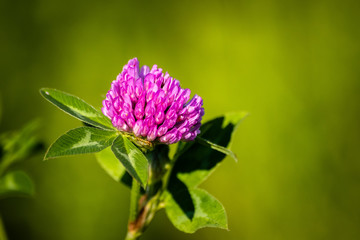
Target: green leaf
(132,158)
(81,140)
(202,210)
(19,145)
(16,183)
(216,147)
(113,166)
(110,164)
(194,161)
(77,108)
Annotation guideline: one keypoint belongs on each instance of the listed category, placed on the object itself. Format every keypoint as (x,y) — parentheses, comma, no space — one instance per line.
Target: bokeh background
(294,65)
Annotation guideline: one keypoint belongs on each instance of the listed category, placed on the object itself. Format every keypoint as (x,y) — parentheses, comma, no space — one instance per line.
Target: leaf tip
(49,155)
(44,91)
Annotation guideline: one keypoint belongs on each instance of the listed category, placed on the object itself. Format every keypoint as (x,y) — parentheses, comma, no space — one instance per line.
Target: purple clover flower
(152,105)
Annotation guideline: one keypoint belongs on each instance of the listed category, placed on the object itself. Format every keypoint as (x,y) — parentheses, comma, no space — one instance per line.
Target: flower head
(152,105)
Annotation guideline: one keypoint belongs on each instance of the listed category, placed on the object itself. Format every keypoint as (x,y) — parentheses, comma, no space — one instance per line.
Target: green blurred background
(294,65)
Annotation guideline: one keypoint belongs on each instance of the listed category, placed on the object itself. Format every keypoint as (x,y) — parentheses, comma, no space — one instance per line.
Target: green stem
(134,200)
(2,231)
(133,233)
(141,214)
(167,175)
(131,236)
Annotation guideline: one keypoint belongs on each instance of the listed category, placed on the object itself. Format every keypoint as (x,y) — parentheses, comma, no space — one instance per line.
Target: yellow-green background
(294,65)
